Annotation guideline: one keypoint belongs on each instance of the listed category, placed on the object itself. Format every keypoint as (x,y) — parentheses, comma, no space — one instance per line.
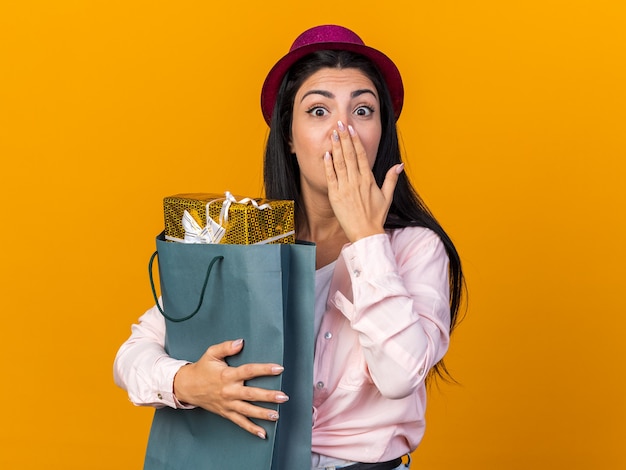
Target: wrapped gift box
(243,221)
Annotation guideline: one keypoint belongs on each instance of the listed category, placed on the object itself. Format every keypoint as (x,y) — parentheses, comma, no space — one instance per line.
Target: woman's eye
(363,111)
(317,111)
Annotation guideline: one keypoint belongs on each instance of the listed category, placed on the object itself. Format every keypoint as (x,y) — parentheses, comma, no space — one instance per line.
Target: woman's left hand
(359,204)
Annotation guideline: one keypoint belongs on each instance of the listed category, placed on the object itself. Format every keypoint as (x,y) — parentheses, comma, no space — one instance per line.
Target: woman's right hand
(219,388)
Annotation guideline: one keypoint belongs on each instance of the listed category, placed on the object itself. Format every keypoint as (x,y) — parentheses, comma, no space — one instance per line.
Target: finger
(391,180)
(252,410)
(329,167)
(248,394)
(348,149)
(222,350)
(252,370)
(246,424)
(339,164)
(362,162)
(243,410)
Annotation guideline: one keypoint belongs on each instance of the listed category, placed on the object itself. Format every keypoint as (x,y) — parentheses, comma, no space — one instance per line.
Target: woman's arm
(400,306)
(143,368)
(153,378)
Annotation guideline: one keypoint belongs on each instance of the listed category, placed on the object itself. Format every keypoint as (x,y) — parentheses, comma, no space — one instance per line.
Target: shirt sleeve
(400,306)
(143,368)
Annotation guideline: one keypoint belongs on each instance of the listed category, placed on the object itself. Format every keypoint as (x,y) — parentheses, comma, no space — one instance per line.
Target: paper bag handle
(156,297)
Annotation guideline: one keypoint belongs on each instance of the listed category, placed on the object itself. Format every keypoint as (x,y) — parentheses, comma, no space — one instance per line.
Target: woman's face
(326,97)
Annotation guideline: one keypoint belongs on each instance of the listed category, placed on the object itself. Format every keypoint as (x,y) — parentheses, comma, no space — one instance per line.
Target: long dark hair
(282,174)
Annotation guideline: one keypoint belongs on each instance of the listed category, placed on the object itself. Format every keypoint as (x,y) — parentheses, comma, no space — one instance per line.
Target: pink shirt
(386,325)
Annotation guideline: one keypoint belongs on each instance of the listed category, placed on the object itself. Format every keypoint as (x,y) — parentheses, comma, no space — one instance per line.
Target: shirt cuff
(369,257)
(165,385)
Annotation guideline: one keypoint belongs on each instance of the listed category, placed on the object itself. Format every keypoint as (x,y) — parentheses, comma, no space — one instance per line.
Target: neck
(316,221)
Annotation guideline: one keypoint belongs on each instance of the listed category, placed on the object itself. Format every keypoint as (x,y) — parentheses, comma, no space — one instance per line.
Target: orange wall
(514,129)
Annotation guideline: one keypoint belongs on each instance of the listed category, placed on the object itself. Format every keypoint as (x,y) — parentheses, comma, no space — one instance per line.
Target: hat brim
(391,74)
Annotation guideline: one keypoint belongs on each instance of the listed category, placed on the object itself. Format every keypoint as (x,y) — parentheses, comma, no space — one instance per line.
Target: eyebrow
(328,94)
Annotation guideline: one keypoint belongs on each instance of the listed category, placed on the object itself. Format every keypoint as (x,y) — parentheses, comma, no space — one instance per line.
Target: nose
(343,117)
(344,120)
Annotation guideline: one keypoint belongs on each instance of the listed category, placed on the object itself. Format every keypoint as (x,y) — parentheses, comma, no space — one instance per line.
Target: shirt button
(320,385)
(160,397)
(421,371)
(357,273)
(328,335)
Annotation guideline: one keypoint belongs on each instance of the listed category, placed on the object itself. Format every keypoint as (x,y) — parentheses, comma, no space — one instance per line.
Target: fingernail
(282,397)
(351,130)
(335,136)
(261,434)
(277,369)
(327,156)
(400,169)
(273,416)
(237,343)
(341,126)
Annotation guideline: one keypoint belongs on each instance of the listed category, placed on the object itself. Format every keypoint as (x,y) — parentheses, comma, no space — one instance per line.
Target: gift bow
(213,231)
(228,200)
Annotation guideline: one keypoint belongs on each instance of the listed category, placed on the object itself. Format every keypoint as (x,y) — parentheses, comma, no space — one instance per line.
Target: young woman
(388,280)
